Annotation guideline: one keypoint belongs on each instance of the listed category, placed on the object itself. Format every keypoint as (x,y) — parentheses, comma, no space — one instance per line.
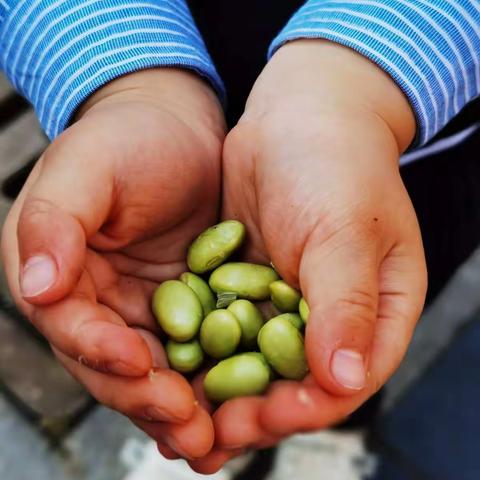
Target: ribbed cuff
(429,48)
(58,52)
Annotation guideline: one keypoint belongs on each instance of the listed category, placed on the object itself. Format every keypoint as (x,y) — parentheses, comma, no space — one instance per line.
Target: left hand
(312,171)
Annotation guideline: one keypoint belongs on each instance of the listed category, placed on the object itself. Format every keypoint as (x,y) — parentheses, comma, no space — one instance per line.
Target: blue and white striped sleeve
(431,48)
(58,52)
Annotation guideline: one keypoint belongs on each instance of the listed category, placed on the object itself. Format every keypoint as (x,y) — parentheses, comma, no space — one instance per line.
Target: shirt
(58,52)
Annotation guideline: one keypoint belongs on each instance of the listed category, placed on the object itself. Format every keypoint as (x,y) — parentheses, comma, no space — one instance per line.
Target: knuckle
(359,305)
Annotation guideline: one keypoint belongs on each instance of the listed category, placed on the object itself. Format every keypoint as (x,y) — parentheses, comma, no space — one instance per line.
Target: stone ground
(50,429)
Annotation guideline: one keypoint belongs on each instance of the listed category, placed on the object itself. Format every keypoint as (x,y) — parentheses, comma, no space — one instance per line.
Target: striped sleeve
(431,48)
(58,52)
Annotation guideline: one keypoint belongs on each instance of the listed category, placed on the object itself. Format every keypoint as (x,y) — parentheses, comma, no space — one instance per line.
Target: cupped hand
(312,171)
(107,214)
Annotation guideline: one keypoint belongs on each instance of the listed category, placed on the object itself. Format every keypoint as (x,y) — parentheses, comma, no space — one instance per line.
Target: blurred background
(50,429)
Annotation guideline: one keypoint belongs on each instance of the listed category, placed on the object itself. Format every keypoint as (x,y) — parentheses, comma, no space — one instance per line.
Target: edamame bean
(241,375)
(247,280)
(282,345)
(220,333)
(184,357)
(294,319)
(250,319)
(201,288)
(284,297)
(178,310)
(304,310)
(212,247)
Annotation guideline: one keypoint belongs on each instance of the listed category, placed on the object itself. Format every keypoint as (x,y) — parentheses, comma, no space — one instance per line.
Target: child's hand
(312,170)
(105,216)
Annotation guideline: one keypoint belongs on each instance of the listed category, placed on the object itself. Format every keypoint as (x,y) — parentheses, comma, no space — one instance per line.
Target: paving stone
(31,374)
(436,424)
(24,453)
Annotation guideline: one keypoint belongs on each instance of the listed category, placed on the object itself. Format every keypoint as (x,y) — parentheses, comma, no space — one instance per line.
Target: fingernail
(38,275)
(172,443)
(156,414)
(348,369)
(124,369)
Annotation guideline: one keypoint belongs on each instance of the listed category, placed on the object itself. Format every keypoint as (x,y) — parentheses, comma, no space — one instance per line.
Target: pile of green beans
(212,312)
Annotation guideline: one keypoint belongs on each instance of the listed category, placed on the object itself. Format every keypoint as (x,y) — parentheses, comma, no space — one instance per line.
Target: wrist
(177,90)
(327,79)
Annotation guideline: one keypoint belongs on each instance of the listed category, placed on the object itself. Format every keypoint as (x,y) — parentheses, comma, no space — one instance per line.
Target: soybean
(304,310)
(250,319)
(241,375)
(220,334)
(184,357)
(282,345)
(294,319)
(246,280)
(178,310)
(212,247)
(201,288)
(284,297)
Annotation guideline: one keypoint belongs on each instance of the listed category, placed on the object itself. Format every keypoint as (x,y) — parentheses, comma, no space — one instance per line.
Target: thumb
(65,205)
(339,278)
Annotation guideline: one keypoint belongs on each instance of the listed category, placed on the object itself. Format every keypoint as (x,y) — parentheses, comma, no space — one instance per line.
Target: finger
(237,424)
(199,391)
(93,334)
(66,204)
(167,452)
(162,396)
(191,439)
(159,356)
(339,277)
(214,461)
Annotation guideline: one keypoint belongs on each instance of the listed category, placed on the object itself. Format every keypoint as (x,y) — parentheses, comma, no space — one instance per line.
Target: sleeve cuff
(429,50)
(57,53)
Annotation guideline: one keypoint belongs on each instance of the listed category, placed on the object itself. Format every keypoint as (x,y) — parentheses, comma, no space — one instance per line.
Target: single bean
(284,297)
(220,334)
(178,310)
(201,288)
(282,345)
(250,319)
(184,357)
(212,247)
(294,319)
(247,280)
(238,376)
(304,310)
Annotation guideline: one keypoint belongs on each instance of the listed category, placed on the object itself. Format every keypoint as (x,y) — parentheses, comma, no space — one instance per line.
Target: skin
(109,204)
(313,173)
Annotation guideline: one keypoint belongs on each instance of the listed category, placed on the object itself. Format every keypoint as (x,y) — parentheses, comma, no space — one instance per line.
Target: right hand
(105,216)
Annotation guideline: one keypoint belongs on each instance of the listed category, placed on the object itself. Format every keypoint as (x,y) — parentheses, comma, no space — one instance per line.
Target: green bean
(220,334)
(250,319)
(282,345)
(241,375)
(293,318)
(184,357)
(246,280)
(178,310)
(201,288)
(212,247)
(284,297)
(304,310)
